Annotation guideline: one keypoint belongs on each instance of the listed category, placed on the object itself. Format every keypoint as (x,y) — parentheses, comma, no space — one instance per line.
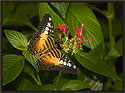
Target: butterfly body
(43,43)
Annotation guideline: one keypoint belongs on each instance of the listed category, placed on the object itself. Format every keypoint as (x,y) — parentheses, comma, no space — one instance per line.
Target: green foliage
(79,13)
(32,59)
(61,7)
(45,8)
(116,51)
(94,63)
(75,85)
(17,39)
(12,67)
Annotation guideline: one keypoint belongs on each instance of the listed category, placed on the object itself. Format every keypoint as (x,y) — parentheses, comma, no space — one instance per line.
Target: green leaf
(97,51)
(62,7)
(95,64)
(7,9)
(17,39)
(31,58)
(12,67)
(18,20)
(75,85)
(118,86)
(26,83)
(28,9)
(48,87)
(31,71)
(18,15)
(61,82)
(90,78)
(116,51)
(78,14)
(117,28)
(45,8)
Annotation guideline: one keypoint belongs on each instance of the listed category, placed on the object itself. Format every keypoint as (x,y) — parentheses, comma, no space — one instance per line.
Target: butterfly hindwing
(66,64)
(63,63)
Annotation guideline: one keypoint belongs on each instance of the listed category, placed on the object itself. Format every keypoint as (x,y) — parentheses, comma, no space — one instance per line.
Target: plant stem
(98,10)
(58,78)
(38,78)
(110,17)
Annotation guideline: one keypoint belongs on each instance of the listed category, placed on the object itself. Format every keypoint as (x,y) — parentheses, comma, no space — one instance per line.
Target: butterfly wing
(66,64)
(43,43)
(37,44)
(63,63)
(46,25)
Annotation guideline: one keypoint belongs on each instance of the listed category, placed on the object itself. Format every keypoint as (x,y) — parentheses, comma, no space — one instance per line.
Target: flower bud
(82,25)
(77,40)
(80,42)
(62,39)
(61,45)
(67,33)
(83,41)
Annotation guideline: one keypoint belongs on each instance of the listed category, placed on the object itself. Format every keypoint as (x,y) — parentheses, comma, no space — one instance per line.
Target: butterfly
(43,44)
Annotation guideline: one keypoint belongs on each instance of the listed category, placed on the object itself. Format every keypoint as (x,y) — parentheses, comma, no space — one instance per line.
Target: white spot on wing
(45,32)
(47,29)
(64,63)
(61,62)
(69,65)
(49,24)
(50,19)
(74,67)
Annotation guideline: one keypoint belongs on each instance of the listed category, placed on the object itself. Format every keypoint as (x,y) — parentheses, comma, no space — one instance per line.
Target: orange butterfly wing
(43,43)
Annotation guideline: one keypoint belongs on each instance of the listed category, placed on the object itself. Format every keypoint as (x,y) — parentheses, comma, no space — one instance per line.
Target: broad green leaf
(48,87)
(118,86)
(95,64)
(75,85)
(28,9)
(97,51)
(61,82)
(7,9)
(116,51)
(116,28)
(31,71)
(12,67)
(18,20)
(20,15)
(62,7)
(45,8)
(26,83)
(90,78)
(78,14)
(31,58)
(17,39)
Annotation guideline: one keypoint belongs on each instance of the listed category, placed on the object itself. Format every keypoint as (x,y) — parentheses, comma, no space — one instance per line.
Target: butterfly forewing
(38,42)
(43,43)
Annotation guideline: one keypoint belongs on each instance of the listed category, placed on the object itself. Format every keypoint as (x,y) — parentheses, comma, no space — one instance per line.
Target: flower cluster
(73,45)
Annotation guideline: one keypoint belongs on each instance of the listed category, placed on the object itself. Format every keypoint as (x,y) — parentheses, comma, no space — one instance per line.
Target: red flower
(78,30)
(61,27)
(79,35)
